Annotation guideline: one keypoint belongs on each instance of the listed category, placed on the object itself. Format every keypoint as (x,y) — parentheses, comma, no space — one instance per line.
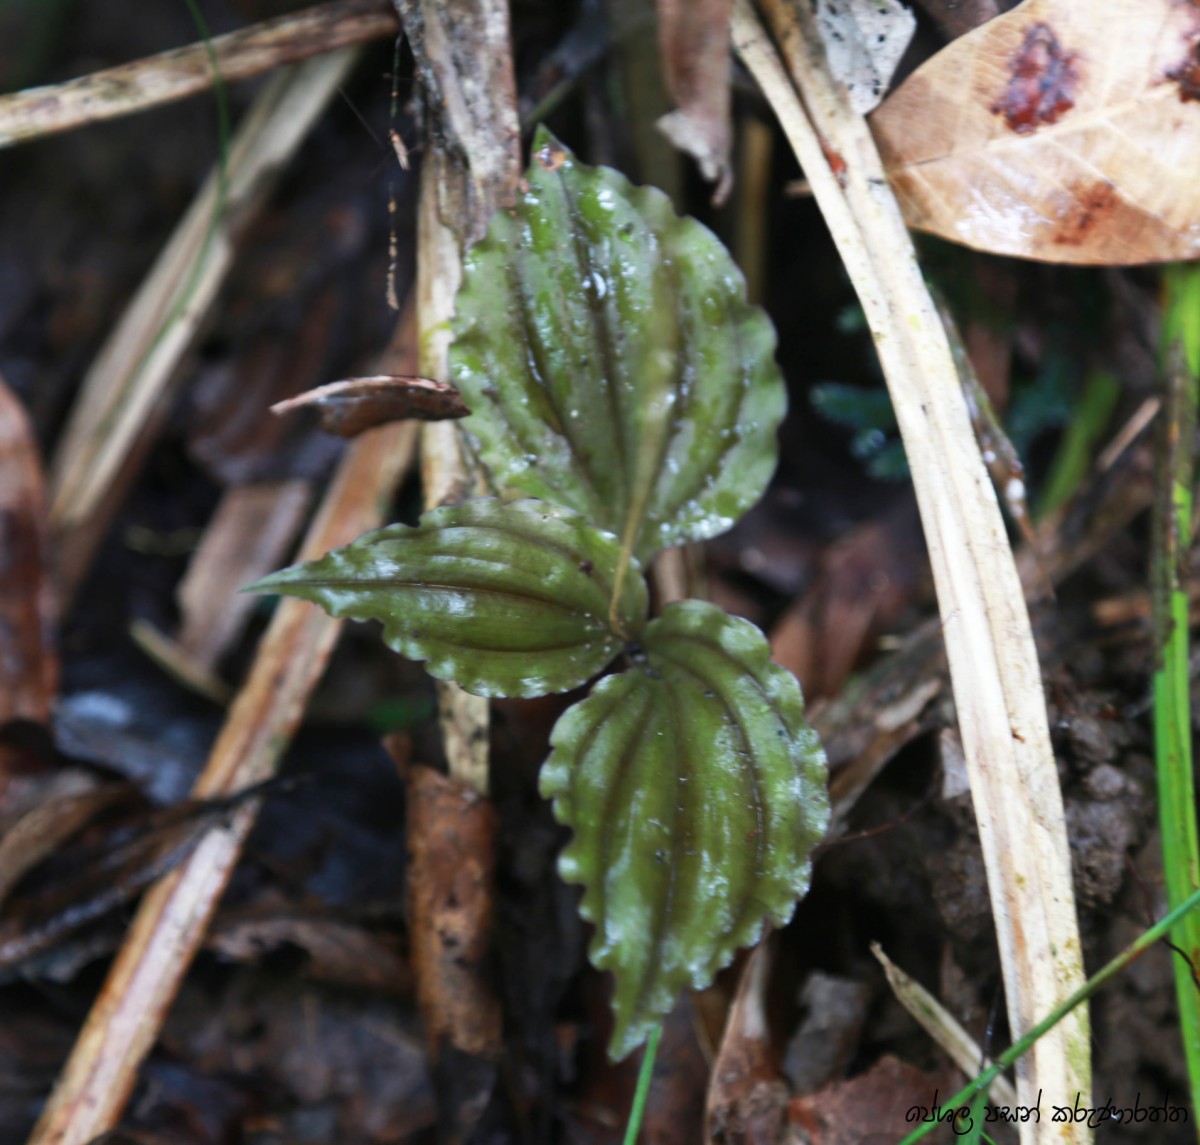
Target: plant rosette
(625,398)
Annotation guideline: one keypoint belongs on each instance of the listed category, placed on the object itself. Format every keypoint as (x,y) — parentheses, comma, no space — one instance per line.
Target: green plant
(626,395)
(1174,518)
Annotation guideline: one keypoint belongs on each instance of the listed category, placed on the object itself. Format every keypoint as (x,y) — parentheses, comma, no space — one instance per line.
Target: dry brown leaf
(694,42)
(29,666)
(347,408)
(871,1109)
(38,833)
(337,951)
(863,585)
(747,1096)
(1060,131)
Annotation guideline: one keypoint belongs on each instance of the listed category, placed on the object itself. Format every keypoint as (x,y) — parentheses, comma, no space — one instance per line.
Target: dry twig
(174,75)
(464,55)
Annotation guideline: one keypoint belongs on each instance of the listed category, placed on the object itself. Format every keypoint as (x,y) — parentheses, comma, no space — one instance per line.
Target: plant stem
(1172,685)
(638,1109)
(1134,950)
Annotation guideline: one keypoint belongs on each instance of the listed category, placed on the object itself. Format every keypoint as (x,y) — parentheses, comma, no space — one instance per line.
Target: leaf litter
(271,1004)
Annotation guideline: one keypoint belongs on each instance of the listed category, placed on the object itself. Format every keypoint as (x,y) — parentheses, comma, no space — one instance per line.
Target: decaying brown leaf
(357,404)
(871,1109)
(36,834)
(337,951)
(29,666)
(1060,131)
(694,41)
(747,1096)
(105,880)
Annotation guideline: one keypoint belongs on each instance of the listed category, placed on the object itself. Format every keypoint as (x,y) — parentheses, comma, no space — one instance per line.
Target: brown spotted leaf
(1060,131)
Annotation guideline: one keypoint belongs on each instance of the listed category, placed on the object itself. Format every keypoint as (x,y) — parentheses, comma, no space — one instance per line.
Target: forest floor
(298,1020)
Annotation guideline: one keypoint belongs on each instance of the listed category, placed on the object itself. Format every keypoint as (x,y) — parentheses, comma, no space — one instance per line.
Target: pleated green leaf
(505,599)
(696,792)
(611,360)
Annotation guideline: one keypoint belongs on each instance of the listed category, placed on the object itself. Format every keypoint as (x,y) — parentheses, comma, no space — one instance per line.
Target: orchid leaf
(506,599)
(696,792)
(611,360)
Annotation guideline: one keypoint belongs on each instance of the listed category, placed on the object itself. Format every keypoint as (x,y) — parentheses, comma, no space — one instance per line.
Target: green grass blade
(1172,692)
(638,1110)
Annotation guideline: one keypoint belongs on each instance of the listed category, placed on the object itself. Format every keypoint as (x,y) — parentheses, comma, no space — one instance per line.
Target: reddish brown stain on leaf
(1091,205)
(1187,74)
(1043,83)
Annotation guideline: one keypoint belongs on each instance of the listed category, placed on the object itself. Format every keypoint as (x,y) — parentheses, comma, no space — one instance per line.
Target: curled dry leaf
(357,404)
(694,41)
(1060,131)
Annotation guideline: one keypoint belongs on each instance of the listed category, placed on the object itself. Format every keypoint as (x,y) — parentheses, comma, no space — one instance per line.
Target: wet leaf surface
(505,599)
(1056,132)
(696,792)
(640,388)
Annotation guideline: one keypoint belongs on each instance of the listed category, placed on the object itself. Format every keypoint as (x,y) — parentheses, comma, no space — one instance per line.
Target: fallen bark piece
(1058,131)
(451,833)
(347,408)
